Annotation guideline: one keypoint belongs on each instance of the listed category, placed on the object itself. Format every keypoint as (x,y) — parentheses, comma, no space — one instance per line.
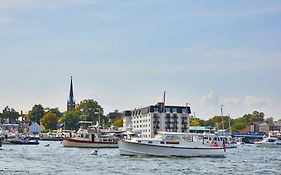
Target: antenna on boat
(229,125)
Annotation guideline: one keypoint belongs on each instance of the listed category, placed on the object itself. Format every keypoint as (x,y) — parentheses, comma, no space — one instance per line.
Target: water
(55,159)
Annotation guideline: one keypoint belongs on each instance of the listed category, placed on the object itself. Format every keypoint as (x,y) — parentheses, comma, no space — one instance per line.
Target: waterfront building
(262,127)
(70,101)
(155,118)
(201,129)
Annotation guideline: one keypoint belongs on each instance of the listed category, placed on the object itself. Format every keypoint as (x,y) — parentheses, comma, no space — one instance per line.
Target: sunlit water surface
(55,159)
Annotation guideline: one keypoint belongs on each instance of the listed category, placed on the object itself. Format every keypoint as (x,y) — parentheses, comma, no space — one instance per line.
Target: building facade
(152,119)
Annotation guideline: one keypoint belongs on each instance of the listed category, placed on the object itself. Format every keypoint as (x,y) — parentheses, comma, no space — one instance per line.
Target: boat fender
(94,152)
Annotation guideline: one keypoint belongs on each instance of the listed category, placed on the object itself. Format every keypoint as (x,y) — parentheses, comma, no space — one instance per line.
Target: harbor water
(56,159)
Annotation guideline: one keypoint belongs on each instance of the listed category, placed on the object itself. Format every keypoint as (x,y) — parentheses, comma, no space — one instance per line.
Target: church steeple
(70,101)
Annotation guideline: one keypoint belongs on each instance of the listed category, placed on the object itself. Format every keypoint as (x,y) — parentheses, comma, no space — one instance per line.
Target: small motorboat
(23,141)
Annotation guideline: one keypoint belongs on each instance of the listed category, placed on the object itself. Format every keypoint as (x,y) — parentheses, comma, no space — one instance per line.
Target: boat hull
(268,145)
(133,149)
(20,142)
(68,142)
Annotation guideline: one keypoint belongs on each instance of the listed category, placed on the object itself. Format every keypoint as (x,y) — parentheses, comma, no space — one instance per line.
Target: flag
(224,146)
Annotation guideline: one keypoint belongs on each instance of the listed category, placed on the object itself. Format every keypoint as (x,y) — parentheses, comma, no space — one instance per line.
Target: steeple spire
(70,101)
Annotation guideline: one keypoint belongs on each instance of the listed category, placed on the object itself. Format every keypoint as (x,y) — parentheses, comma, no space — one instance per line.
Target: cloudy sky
(126,53)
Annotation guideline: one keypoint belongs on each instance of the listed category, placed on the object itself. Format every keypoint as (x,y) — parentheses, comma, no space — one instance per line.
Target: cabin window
(169,137)
(161,142)
(188,138)
(139,141)
(149,141)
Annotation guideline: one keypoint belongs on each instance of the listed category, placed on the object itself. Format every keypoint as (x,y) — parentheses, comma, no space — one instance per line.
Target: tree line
(52,118)
(234,125)
(90,110)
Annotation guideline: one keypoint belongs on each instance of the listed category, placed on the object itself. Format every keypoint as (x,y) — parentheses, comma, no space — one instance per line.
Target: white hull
(132,148)
(268,145)
(88,144)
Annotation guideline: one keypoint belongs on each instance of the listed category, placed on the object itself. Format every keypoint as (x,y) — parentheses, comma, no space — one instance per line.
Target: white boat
(271,142)
(171,144)
(91,137)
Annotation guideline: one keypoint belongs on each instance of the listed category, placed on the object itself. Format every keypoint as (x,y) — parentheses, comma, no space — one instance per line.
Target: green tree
(118,122)
(10,115)
(238,125)
(254,117)
(49,121)
(196,122)
(269,120)
(36,113)
(70,119)
(54,110)
(90,110)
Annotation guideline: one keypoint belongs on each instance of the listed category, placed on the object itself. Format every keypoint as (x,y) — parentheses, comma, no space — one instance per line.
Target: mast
(229,126)
(222,118)
(164,101)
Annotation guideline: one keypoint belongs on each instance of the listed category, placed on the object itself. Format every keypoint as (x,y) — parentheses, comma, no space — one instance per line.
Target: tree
(118,122)
(269,120)
(54,110)
(254,117)
(10,115)
(49,121)
(196,122)
(70,119)
(90,110)
(238,125)
(36,113)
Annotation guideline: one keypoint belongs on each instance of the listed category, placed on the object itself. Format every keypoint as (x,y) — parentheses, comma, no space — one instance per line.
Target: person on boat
(223,145)
(212,142)
(215,144)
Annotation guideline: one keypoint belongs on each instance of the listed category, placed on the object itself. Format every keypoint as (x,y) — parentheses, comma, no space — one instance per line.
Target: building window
(175,110)
(155,109)
(168,110)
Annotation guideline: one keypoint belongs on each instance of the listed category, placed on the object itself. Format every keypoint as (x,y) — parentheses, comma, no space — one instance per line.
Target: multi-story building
(152,119)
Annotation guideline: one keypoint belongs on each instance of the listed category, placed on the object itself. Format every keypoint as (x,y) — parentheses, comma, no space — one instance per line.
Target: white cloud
(260,102)
(210,99)
(231,101)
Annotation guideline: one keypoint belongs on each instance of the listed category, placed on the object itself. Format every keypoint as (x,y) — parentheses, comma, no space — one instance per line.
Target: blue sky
(126,53)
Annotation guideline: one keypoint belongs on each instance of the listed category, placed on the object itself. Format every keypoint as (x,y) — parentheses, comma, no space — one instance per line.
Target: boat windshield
(159,136)
(272,139)
(171,137)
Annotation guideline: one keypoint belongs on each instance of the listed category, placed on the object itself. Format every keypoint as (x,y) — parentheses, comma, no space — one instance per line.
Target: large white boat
(172,144)
(272,141)
(91,137)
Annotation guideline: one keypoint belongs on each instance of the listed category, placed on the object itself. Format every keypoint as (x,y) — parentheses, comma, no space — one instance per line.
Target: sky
(126,53)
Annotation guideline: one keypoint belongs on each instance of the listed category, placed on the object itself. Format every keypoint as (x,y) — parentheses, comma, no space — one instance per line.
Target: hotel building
(152,119)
